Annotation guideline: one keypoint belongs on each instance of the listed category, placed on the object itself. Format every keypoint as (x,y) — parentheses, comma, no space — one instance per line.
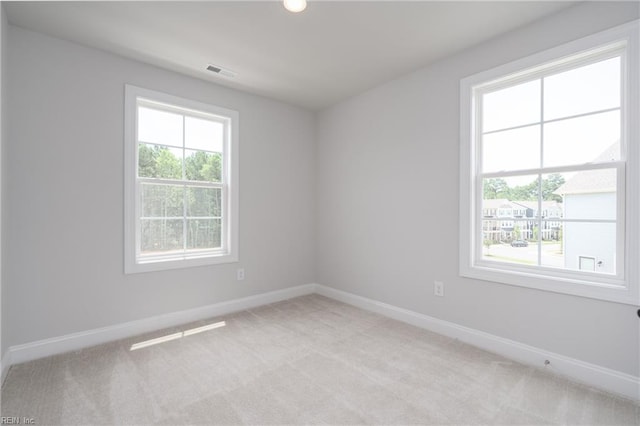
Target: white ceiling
(329,52)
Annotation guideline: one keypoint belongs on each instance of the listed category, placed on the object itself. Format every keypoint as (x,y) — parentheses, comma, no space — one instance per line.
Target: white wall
(64,194)
(384,199)
(590,239)
(387,221)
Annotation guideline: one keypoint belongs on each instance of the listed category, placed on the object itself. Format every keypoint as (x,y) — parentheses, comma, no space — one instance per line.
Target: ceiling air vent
(221,71)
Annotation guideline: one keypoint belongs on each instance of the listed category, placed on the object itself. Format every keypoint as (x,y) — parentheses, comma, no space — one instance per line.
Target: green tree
(527,192)
(487,243)
(550,185)
(147,160)
(495,188)
(159,162)
(165,204)
(498,188)
(167,165)
(204,203)
(204,166)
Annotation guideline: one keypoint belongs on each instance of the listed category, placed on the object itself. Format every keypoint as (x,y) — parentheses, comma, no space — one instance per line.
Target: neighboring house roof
(590,182)
(548,205)
(496,203)
(519,205)
(504,203)
(593,181)
(533,205)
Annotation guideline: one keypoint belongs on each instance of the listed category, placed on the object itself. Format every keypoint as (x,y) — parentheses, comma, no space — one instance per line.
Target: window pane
(510,107)
(589,194)
(203,166)
(203,233)
(509,213)
(584,240)
(586,89)
(552,249)
(161,235)
(162,200)
(204,202)
(517,149)
(499,194)
(156,161)
(508,243)
(594,138)
(509,209)
(159,127)
(203,134)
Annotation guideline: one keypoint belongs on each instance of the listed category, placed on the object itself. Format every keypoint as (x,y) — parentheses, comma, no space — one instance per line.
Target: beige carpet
(306,360)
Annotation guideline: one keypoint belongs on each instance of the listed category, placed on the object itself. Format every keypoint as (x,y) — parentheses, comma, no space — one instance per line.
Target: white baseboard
(5,363)
(71,342)
(592,375)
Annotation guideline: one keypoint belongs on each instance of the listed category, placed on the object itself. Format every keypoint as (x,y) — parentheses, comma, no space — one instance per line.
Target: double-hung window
(181,169)
(550,169)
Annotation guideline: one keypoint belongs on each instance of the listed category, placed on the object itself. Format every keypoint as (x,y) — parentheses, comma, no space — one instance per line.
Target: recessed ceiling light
(295,6)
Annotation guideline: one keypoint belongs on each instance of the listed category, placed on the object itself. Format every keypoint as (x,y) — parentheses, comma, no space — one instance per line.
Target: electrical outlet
(438,288)
(240,274)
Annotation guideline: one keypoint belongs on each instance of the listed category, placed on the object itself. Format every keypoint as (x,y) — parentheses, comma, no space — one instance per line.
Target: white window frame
(622,287)
(133,263)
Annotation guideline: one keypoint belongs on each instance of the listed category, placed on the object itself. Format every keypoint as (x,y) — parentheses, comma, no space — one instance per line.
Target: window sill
(611,290)
(178,263)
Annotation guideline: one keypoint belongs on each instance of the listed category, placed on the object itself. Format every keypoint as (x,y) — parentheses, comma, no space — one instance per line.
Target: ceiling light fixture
(295,6)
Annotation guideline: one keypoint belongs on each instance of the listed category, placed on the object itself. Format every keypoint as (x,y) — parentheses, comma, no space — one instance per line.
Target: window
(551,141)
(181,182)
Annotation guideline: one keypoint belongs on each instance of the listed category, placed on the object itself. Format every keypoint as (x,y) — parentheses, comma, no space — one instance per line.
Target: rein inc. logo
(17,421)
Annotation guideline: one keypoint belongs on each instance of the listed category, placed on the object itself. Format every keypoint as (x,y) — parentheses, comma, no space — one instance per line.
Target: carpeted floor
(306,360)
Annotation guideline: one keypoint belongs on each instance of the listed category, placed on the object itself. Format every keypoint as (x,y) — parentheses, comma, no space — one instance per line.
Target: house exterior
(590,246)
(591,195)
(504,220)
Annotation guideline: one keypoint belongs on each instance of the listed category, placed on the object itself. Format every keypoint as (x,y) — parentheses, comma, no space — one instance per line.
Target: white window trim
(626,288)
(230,205)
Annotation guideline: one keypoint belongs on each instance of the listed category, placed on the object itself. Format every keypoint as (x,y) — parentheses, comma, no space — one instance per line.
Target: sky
(577,117)
(166,128)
